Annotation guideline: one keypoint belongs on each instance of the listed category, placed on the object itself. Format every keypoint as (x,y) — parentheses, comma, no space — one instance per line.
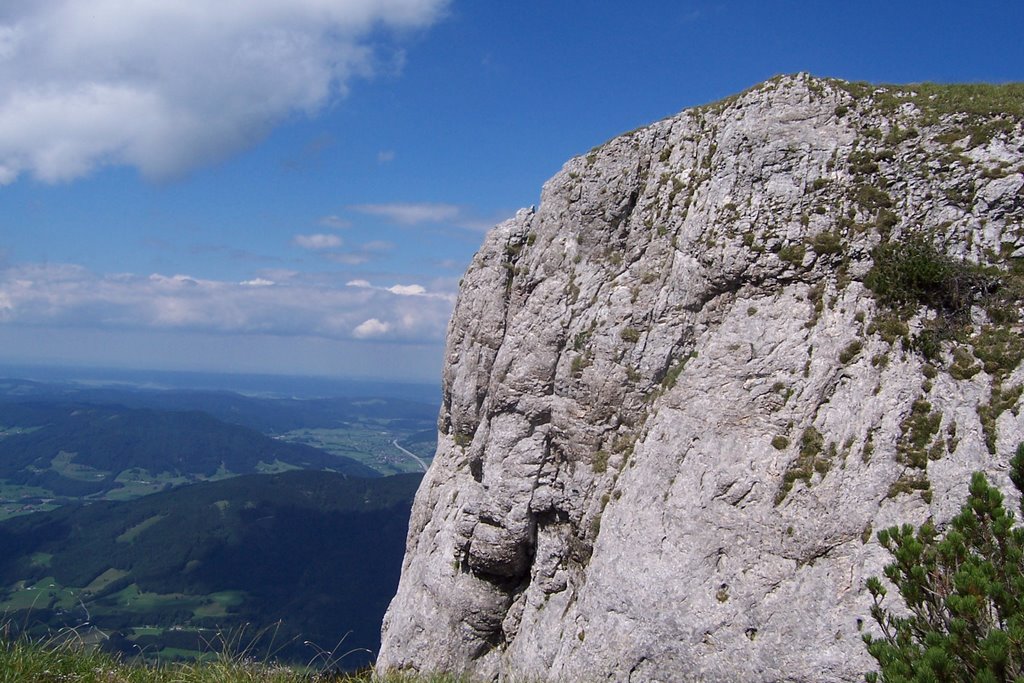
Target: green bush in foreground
(964,595)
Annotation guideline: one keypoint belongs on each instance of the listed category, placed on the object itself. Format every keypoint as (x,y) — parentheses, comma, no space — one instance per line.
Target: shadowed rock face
(674,413)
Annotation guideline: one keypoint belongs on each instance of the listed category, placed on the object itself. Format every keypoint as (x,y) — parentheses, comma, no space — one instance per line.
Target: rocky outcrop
(681,395)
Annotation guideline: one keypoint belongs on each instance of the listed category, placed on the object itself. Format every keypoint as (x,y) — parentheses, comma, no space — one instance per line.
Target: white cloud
(413,290)
(278,274)
(378,246)
(173,282)
(411,214)
(364,254)
(317,241)
(168,86)
(70,296)
(385,156)
(335,222)
(370,328)
(349,259)
(452,215)
(407,290)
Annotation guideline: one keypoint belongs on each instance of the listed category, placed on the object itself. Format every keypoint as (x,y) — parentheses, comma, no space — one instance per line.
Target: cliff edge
(682,394)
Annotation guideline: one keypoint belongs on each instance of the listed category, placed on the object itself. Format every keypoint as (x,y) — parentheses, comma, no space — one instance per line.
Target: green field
(43,594)
(371,446)
(103,581)
(48,593)
(6,431)
(132,534)
(64,464)
(133,599)
(274,467)
(136,483)
(11,491)
(16,499)
(219,604)
(42,559)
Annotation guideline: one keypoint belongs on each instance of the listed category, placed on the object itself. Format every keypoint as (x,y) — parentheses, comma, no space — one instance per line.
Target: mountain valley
(176,523)
(275,560)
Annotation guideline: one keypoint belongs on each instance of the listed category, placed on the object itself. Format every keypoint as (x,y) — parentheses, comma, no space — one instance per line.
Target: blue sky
(295,186)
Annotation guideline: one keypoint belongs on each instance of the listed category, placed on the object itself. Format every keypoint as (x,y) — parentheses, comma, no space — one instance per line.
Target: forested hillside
(81,449)
(318,552)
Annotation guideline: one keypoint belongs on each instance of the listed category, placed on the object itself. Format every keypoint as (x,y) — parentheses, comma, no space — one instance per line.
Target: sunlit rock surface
(674,414)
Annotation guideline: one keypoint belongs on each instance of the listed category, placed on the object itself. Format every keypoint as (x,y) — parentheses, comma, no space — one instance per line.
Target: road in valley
(412,455)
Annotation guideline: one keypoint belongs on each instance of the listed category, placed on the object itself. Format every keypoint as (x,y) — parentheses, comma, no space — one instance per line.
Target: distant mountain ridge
(81,449)
(265,414)
(248,384)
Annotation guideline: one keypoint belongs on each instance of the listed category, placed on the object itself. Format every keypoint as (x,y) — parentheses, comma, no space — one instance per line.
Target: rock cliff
(682,394)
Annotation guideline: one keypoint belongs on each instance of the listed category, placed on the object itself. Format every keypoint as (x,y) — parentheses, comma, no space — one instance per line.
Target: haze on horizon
(296,187)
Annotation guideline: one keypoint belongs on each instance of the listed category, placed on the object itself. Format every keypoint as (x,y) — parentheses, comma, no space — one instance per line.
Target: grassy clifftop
(68,661)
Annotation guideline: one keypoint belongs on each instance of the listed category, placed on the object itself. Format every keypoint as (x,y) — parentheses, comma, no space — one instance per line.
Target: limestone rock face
(674,413)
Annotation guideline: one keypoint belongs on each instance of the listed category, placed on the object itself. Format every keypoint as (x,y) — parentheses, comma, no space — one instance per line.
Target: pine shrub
(963,593)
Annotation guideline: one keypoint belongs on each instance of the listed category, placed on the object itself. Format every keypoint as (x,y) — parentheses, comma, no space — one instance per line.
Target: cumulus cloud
(408,290)
(317,241)
(292,305)
(168,86)
(335,222)
(411,214)
(363,254)
(413,290)
(370,328)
